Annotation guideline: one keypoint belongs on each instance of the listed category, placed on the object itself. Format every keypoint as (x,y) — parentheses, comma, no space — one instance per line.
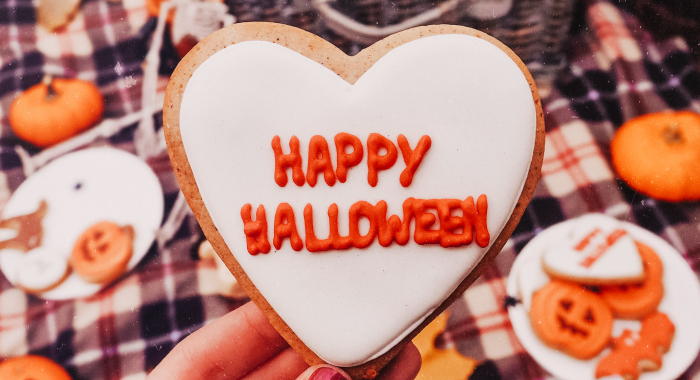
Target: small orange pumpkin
(569,318)
(32,367)
(658,154)
(153,8)
(55,110)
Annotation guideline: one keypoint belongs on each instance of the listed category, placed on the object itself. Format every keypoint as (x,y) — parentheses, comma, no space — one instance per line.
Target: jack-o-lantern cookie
(32,367)
(354,197)
(572,319)
(634,301)
(102,252)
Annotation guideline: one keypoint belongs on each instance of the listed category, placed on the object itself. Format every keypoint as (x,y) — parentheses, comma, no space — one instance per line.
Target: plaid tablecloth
(615,71)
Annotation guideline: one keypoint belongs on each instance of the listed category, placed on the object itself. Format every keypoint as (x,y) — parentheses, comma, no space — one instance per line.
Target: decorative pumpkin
(658,154)
(569,318)
(634,301)
(32,367)
(153,8)
(55,110)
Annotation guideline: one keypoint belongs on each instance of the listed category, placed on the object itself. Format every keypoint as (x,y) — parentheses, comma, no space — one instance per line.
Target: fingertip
(323,372)
(405,366)
(413,358)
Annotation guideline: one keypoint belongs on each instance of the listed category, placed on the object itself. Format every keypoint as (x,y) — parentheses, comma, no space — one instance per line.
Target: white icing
(40,269)
(530,279)
(620,261)
(81,189)
(351,306)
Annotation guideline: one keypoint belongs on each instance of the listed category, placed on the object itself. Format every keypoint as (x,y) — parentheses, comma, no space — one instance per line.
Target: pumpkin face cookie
(571,318)
(102,252)
(312,170)
(657,154)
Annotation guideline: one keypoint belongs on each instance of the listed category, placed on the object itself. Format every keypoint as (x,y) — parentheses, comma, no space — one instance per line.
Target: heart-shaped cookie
(354,197)
(596,251)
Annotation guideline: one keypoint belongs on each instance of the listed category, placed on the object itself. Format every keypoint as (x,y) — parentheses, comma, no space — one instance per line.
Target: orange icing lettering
(587,240)
(377,162)
(347,160)
(412,158)
(393,228)
(450,224)
(601,248)
(357,210)
(424,220)
(313,244)
(255,231)
(449,231)
(476,217)
(319,160)
(339,242)
(286,227)
(284,161)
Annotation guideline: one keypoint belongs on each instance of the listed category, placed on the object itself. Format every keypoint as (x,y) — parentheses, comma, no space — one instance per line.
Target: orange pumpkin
(55,110)
(569,318)
(32,367)
(658,154)
(153,8)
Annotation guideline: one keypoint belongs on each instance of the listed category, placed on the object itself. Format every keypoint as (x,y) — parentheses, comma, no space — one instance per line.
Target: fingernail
(326,373)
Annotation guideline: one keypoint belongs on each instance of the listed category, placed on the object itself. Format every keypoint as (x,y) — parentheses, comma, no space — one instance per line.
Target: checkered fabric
(616,71)
(125,330)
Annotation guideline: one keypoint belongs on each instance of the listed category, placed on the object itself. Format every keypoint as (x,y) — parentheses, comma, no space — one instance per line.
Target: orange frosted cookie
(572,319)
(102,252)
(634,301)
(630,356)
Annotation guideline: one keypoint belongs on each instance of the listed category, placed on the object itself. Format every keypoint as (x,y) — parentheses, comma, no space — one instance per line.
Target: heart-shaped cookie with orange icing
(597,251)
(354,197)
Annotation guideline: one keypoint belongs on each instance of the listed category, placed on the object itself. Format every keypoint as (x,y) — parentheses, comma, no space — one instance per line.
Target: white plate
(681,303)
(81,189)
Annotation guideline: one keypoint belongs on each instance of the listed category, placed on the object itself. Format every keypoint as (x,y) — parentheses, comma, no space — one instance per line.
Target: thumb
(323,372)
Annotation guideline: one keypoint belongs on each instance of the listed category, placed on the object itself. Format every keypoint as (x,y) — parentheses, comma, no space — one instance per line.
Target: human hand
(242,345)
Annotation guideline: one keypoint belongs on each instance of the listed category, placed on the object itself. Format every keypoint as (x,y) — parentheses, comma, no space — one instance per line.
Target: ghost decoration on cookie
(597,250)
